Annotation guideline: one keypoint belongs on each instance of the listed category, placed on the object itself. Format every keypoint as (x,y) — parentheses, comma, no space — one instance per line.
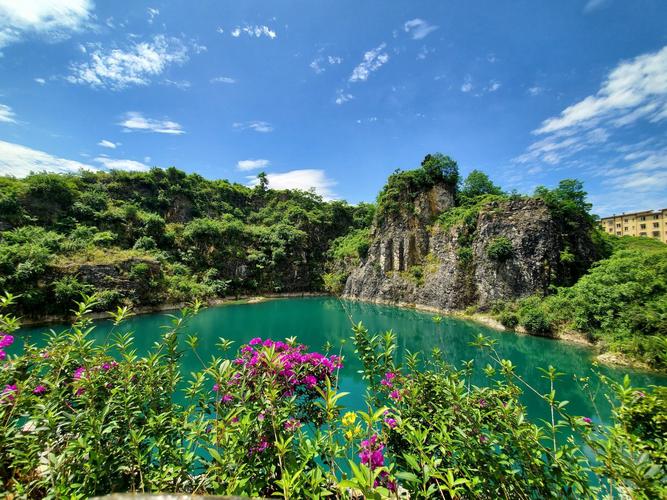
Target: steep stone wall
(414,260)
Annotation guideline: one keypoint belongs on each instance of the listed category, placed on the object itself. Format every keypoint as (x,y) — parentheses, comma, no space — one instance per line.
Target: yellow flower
(349,418)
(350,434)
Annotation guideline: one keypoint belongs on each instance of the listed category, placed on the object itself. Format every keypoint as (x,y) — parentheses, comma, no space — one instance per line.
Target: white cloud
(305,180)
(136,121)
(493,86)
(179,84)
(108,144)
(467,86)
(116,164)
(117,69)
(418,28)
(372,61)
(220,30)
(222,79)
(318,65)
(152,14)
(6,114)
(252,164)
(592,5)
(50,19)
(257,126)
(41,81)
(19,161)
(343,97)
(535,90)
(634,89)
(256,31)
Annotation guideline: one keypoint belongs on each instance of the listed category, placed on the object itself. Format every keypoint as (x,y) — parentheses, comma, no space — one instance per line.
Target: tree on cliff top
(403,186)
(478,184)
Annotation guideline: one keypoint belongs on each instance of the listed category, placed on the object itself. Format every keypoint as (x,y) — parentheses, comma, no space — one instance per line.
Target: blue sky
(336,95)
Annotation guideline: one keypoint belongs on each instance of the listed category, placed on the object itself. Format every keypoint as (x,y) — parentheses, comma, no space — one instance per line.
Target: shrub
(535,321)
(509,319)
(500,249)
(145,243)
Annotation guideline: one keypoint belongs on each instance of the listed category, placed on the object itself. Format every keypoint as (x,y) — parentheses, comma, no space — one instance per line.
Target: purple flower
(106,367)
(395,395)
(391,423)
(370,452)
(482,403)
(235,420)
(255,341)
(9,393)
(292,424)
(6,340)
(216,387)
(587,420)
(227,398)
(261,417)
(3,355)
(40,389)
(78,374)
(79,391)
(310,381)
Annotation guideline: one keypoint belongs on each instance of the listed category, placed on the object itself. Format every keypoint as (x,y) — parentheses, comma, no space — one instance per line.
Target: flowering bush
(79,419)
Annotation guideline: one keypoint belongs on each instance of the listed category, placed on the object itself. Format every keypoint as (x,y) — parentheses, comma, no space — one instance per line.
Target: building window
(625,220)
(618,233)
(642,234)
(642,218)
(642,226)
(656,234)
(656,224)
(625,228)
(656,217)
(618,225)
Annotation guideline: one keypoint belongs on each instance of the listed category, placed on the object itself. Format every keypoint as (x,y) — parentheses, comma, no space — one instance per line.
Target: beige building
(651,224)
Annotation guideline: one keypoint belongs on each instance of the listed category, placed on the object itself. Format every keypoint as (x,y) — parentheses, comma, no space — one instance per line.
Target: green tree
(478,184)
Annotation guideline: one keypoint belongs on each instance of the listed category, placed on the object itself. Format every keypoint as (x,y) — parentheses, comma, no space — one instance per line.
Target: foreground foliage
(79,419)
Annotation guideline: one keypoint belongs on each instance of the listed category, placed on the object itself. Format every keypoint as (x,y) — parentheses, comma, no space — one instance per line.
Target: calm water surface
(317,320)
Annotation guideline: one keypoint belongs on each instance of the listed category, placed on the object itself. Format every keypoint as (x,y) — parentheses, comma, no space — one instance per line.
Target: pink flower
(261,417)
(371,452)
(78,374)
(79,391)
(227,398)
(292,424)
(395,395)
(310,381)
(40,389)
(640,394)
(106,367)
(216,387)
(9,393)
(255,341)
(391,423)
(6,340)
(587,420)
(482,403)
(3,355)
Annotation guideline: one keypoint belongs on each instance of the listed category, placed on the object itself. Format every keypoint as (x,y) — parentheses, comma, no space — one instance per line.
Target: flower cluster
(9,393)
(371,452)
(5,341)
(293,367)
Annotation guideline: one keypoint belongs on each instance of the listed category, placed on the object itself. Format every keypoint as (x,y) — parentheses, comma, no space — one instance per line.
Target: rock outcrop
(415,260)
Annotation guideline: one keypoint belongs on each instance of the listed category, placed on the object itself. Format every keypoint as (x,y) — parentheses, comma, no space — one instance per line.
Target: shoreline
(609,358)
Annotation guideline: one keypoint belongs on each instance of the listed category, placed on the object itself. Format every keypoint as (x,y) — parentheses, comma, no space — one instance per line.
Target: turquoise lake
(318,320)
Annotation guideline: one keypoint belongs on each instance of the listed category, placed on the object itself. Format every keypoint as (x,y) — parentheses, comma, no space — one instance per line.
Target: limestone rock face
(414,260)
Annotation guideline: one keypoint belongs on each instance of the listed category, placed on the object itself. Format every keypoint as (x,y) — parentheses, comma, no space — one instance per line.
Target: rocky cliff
(501,250)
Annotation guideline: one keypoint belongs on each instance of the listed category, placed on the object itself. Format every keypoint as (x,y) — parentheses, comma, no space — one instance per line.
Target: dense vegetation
(621,302)
(160,236)
(79,419)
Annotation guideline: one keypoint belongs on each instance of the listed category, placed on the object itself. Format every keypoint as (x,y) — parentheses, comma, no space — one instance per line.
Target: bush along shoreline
(79,419)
